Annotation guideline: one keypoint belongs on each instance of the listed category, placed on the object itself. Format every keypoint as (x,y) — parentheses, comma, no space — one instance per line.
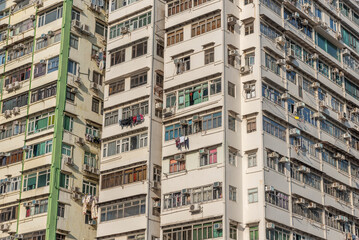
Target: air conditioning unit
(346,52)
(2,128)
(341,218)
(281,62)
(304,169)
(315,56)
(312,205)
(76,189)
(35,202)
(317,20)
(299,105)
(218,226)
(9,87)
(157,204)
(50,33)
(7,113)
(319,116)
(231,20)
(21,46)
(300,201)
(156,185)
(43,36)
(247,87)
(179,157)
(194,208)
(76,23)
(85,29)
(183,122)
(339,156)
(346,136)
(284,160)
(16,85)
(324,25)
(86,168)
(335,185)
(294,132)
(306,6)
(245,69)
(68,160)
(196,118)
(16,110)
(318,145)
(186,191)
(289,68)
(76,196)
(323,104)
(269,188)
(280,40)
(343,116)
(159,106)
(92,222)
(285,96)
(305,22)
(355,111)
(315,85)
(233,53)
(338,35)
(217,184)
(5,227)
(290,54)
(203,151)
(26,148)
(273,155)
(342,188)
(124,30)
(270,225)
(80,141)
(94,86)
(167,112)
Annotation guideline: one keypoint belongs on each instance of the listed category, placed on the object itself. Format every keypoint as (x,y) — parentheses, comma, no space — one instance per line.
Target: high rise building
(52,66)
(132,129)
(260,120)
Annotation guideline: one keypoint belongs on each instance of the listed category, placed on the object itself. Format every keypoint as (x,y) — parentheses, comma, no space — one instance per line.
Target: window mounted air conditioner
(289,68)
(346,136)
(281,62)
(50,33)
(16,110)
(284,160)
(124,30)
(300,201)
(304,169)
(9,88)
(315,85)
(299,105)
(280,40)
(7,113)
(94,86)
(183,122)
(203,151)
(80,141)
(318,145)
(346,52)
(312,205)
(68,160)
(305,22)
(294,132)
(179,157)
(273,155)
(245,69)
(217,184)
(270,225)
(195,208)
(269,188)
(285,96)
(218,226)
(186,191)
(231,20)
(167,111)
(196,118)
(159,106)
(319,116)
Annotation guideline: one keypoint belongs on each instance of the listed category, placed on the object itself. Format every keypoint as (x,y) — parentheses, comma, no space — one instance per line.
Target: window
(138,80)
(232,193)
(232,231)
(248,29)
(43,93)
(100,29)
(249,59)
(231,123)
(212,121)
(157,174)
(35,209)
(130,25)
(13,157)
(271,64)
(174,37)
(160,49)
(111,118)
(252,160)
(195,231)
(277,198)
(18,101)
(251,125)
(231,89)
(8,214)
(15,53)
(216,86)
(206,25)
(41,122)
(72,67)
(124,176)
(139,49)
(250,90)
(50,16)
(253,195)
(74,41)
(232,157)
(39,70)
(89,188)
(274,128)
(118,57)
(64,180)
(253,233)
(247,2)
(123,208)
(231,57)
(177,166)
(95,105)
(90,159)
(210,158)
(183,64)
(97,78)
(70,95)
(61,210)
(209,56)
(36,180)
(53,64)
(116,87)
(175,7)
(125,145)
(39,149)
(68,123)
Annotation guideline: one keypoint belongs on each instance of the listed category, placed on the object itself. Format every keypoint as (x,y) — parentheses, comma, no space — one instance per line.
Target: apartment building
(231,120)
(52,67)
(130,194)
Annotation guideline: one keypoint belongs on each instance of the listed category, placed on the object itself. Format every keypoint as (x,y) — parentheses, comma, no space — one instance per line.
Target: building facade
(259,123)
(52,67)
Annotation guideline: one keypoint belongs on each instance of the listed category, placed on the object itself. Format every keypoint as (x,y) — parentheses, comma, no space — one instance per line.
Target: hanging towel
(85,203)
(94,208)
(182,139)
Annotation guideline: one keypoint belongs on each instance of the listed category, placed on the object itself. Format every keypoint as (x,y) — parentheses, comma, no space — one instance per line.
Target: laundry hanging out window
(193,95)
